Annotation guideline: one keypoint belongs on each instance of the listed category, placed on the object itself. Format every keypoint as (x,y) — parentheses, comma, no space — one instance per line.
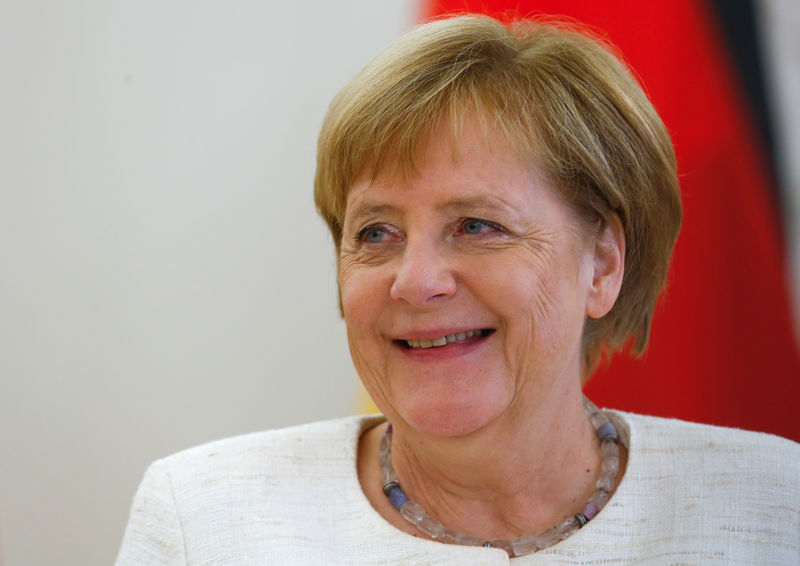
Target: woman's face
(464,287)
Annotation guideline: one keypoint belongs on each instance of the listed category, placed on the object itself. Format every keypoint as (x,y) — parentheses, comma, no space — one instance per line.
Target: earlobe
(608,268)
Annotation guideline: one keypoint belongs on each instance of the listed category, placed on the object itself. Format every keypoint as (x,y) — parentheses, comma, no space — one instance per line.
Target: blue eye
(479,227)
(377,234)
(374,235)
(474,226)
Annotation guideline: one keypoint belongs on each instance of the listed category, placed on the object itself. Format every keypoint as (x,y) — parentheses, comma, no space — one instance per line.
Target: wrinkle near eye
(375,254)
(540,241)
(537,241)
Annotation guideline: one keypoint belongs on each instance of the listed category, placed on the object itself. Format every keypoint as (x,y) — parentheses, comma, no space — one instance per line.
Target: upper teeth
(442,340)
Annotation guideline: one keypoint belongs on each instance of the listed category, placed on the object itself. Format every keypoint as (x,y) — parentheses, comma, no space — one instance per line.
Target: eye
(474,226)
(376,234)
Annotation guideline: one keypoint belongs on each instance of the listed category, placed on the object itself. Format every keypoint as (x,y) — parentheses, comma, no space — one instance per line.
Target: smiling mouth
(458,338)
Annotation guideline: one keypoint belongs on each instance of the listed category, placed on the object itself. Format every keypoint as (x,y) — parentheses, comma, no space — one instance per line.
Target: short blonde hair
(563,100)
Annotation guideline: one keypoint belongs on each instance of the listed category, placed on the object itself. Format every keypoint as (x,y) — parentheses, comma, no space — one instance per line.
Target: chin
(452,416)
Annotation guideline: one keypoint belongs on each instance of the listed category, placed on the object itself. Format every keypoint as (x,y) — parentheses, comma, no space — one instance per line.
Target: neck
(519,474)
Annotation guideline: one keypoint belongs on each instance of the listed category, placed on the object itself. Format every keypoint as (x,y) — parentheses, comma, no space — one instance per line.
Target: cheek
(361,294)
(349,284)
(362,307)
(538,294)
(519,282)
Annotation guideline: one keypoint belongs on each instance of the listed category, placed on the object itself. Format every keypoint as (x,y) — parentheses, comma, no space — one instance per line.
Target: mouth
(457,338)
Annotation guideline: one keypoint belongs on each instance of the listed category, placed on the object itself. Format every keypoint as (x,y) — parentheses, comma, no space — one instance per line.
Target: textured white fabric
(692,494)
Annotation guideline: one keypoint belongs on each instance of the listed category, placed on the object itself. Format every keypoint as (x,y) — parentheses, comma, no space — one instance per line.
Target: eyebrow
(373,209)
(468,204)
(463,205)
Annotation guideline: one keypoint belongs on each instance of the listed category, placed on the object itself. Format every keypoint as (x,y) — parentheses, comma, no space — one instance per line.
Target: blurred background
(164,280)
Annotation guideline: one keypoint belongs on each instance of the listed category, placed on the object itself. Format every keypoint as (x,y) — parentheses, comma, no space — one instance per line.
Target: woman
(504,202)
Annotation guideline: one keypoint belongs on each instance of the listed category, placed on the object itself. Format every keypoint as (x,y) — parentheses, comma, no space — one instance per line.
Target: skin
(475,240)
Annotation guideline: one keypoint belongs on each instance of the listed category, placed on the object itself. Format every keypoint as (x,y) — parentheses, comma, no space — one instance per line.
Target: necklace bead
(428,524)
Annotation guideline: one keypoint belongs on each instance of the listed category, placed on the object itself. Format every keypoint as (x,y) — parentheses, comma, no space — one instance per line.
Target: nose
(423,275)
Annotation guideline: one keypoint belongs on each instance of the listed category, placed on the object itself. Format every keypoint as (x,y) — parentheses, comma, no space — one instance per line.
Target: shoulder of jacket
(268,447)
(656,433)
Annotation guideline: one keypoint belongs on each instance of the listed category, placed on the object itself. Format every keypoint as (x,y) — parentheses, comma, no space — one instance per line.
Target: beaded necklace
(526,544)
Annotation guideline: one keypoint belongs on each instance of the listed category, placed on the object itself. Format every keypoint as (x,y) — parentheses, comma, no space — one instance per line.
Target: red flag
(722,347)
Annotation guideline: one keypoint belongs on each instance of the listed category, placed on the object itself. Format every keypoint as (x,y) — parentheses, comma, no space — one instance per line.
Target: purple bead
(590,511)
(397,497)
(389,428)
(607,430)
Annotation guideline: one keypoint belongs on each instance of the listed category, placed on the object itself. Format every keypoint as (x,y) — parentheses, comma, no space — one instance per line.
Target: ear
(609,266)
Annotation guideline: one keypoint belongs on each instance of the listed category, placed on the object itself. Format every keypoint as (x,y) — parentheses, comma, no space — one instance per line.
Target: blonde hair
(563,100)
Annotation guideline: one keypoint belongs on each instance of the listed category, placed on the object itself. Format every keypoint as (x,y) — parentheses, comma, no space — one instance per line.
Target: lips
(438,342)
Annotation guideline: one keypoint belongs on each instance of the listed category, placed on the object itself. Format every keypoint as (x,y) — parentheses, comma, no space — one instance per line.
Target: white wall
(164,279)
(780,23)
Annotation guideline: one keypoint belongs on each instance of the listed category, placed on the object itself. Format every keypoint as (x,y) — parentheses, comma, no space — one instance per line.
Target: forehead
(465,163)
(472,176)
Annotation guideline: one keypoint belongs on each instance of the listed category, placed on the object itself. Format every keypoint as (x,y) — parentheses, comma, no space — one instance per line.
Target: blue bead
(397,497)
(607,430)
